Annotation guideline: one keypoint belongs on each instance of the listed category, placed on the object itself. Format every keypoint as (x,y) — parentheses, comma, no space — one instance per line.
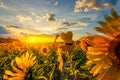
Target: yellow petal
(98,69)
(16,78)
(23,58)
(102,49)
(21,62)
(26,58)
(8,72)
(90,62)
(18,60)
(5,76)
(96,56)
(14,68)
(32,61)
(97,53)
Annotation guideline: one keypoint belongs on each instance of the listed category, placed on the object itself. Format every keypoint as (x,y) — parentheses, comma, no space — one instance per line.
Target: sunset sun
(38,39)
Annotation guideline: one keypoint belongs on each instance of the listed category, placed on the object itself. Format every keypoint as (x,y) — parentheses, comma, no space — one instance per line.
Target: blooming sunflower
(45,50)
(24,63)
(104,51)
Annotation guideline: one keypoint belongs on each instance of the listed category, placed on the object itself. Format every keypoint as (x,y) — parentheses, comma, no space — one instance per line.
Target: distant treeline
(8,40)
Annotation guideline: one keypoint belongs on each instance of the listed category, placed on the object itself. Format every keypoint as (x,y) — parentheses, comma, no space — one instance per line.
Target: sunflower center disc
(117,51)
(44,50)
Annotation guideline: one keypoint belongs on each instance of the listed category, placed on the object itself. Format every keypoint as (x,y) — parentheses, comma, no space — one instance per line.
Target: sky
(21,18)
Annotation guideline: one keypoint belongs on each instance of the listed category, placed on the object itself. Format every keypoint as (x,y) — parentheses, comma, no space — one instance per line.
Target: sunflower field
(93,57)
(41,61)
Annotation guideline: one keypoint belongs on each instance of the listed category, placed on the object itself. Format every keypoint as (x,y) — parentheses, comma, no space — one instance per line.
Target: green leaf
(42,77)
(52,72)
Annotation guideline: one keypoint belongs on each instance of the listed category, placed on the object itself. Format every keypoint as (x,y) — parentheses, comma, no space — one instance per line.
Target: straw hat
(67,37)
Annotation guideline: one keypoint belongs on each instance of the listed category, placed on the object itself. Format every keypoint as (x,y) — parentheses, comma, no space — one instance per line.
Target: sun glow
(39,39)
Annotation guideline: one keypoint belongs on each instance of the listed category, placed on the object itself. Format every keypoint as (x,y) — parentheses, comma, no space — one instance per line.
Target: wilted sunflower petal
(114,14)
(103,31)
(107,18)
(106,27)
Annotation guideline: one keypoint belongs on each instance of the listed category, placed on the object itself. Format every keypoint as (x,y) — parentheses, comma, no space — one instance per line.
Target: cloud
(86,10)
(69,23)
(65,26)
(68,28)
(24,32)
(82,23)
(87,18)
(37,18)
(19,30)
(12,29)
(3,30)
(4,33)
(62,28)
(33,13)
(87,5)
(78,23)
(23,18)
(56,3)
(75,29)
(41,35)
(50,17)
(2,5)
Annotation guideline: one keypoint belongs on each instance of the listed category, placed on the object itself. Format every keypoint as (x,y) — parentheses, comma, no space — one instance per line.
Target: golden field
(93,57)
(50,63)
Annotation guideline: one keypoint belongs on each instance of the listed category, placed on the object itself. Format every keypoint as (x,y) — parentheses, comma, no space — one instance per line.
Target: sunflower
(45,50)
(24,63)
(104,51)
